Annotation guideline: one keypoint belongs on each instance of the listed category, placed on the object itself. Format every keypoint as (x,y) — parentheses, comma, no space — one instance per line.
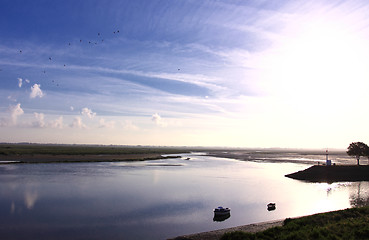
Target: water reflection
(30,198)
(361,197)
(221,218)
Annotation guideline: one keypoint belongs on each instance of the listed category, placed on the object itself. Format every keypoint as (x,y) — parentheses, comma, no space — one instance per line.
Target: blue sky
(194,73)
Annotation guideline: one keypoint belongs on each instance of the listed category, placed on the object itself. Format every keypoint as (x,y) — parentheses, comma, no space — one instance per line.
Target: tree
(357,149)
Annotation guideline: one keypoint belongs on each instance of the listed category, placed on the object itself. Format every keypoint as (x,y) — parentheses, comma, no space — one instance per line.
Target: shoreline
(217,234)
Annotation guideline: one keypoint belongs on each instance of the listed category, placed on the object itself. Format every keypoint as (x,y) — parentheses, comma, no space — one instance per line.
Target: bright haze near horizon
(196,73)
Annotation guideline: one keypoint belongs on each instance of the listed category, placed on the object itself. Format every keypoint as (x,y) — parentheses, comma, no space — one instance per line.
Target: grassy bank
(50,149)
(345,224)
(50,153)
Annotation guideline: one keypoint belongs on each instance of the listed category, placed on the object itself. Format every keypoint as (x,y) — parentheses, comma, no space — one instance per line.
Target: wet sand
(217,234)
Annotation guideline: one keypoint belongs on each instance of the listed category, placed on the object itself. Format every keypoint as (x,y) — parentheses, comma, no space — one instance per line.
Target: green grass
(346,224)
(31,149)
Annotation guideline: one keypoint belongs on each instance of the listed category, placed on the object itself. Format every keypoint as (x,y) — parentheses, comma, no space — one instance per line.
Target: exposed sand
(217,234)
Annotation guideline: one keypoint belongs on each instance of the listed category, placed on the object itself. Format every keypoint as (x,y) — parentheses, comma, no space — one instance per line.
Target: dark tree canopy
(358,149)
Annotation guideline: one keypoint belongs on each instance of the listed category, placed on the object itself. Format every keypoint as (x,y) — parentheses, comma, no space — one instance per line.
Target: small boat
(271,206)
(222,211)
(221,214)
(188,158)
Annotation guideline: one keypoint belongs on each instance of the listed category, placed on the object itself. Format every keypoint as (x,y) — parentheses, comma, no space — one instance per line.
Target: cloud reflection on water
(30,198)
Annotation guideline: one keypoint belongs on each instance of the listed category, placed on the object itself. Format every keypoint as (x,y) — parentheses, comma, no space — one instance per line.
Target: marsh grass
(351,223)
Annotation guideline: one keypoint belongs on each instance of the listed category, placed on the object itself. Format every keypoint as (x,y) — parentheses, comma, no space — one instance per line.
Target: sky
(185,72)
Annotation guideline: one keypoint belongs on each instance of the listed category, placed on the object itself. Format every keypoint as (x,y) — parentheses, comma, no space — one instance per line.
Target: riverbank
(322,173)
(351,223)
(49,153)
(49,158)
(217,234)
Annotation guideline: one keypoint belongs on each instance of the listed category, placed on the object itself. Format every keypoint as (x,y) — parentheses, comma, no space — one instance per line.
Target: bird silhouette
(20,51)
(50,58)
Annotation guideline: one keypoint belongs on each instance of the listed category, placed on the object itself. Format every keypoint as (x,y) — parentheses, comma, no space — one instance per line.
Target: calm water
(156,199)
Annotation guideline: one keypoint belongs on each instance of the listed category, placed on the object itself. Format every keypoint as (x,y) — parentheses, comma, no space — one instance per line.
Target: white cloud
(57,123)
(40,120)
(77,123)
(106,124)
(15,112)
(158,120)
(88,112)
(128,125)
(20,82)
(36,91)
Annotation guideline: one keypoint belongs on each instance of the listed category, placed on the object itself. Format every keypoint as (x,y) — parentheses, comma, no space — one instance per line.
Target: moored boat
(271,206)
(222,211)
(221,214)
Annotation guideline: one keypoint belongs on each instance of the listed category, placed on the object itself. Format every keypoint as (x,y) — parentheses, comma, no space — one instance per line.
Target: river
(157,199)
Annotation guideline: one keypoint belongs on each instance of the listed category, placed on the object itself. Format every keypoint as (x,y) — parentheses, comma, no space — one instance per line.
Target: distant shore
(49,158)
(322,173)
(48,153)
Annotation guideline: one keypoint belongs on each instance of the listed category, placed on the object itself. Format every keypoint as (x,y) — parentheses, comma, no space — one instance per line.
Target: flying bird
(50,58)
(20,51)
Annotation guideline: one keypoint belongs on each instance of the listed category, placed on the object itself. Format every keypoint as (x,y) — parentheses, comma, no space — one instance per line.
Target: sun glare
(318,66)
